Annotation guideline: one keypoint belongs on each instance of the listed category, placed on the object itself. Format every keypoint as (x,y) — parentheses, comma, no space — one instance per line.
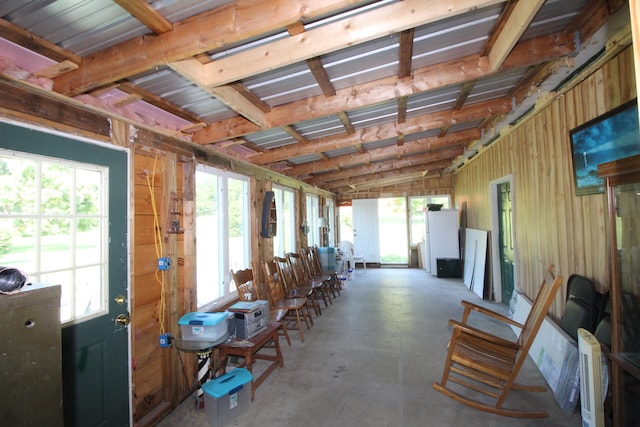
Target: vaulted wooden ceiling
(356,97)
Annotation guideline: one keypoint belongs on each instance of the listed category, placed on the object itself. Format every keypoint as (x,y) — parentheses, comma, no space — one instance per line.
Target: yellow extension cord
(157,239)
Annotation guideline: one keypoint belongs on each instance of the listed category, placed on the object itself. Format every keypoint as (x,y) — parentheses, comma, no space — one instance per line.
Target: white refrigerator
(441,237)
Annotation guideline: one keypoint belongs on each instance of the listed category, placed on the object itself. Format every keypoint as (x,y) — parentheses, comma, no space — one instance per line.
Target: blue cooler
(227,397)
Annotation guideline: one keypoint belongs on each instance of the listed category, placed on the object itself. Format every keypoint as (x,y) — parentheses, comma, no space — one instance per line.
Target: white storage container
(198,326)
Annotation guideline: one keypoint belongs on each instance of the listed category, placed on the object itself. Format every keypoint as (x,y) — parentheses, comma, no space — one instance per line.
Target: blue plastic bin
(227,397)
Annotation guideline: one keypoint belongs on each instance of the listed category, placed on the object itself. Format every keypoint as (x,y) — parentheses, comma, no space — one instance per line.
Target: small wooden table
(251,353)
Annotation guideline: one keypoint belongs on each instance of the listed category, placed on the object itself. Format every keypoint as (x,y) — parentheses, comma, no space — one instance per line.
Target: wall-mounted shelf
(269,215)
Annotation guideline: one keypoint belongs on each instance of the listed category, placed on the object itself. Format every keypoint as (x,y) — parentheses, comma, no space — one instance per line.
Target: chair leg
(284,331)
(300,325)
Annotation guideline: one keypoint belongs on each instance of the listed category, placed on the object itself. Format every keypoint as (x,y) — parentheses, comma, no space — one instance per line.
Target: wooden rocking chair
(488,364)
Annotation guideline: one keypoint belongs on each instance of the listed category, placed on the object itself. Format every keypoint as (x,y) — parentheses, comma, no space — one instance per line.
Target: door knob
(122,319)
(120,300)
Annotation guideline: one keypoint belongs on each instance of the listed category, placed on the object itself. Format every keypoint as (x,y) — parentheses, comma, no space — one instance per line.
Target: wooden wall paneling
(26,103)
(301,202)
(153,372)
(551,224)
(634,7)
(169,303)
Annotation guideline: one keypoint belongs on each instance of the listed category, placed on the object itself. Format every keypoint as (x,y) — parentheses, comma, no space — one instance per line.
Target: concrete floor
(370,359)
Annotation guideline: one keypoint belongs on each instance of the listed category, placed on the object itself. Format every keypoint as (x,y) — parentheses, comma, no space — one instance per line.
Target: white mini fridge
(442,239)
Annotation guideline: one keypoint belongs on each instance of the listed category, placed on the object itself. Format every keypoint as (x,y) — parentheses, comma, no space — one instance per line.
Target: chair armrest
(494,339)
(469,306)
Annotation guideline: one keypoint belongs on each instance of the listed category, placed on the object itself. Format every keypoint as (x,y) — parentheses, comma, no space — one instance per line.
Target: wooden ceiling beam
(37,44)
(161,103)
(405,53)
(415,163)
(385,153)
(519,19)
(334,36)
(250,96)
(389,130)
(315,64)
(145,13)
(321,76)
(295,134)
(457,71)
(224,26)
(467,87)
(192,69)
(370,181)
(346,122)
(402,109)
(361,175)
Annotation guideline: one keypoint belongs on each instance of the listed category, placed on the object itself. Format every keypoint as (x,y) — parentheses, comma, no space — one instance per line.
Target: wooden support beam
(516,24)
(192,69)
(381,132)
(161,103)
(315,64)
(367,171)
(634,7)
(250,97)
(467,87)
(379,154)
(128,99)
(346,122)
(56,69)
(294,134)
(334,36)
(405,53)
(224,26)
(402,109)
(457,71)
(37,44)
(321,76)
(145,13)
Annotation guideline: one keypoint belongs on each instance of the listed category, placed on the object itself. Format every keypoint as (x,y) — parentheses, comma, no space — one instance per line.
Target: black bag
(11,280)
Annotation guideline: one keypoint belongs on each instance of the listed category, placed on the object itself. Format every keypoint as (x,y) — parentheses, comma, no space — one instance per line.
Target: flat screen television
(611,136)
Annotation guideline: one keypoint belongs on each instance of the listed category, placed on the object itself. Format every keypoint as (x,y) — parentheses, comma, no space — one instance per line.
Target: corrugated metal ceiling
(87,27)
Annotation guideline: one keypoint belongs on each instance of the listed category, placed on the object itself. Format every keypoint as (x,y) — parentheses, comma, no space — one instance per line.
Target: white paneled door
(366,236)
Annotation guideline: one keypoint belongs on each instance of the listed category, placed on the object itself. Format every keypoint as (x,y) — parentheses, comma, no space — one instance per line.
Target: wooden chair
(483,363)
(295,310)
(290,286)
(315,265)
(303,277)
(243,280)
(249,291)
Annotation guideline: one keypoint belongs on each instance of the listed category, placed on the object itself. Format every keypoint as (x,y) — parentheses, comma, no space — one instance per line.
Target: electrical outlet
(165,340)
(164,263)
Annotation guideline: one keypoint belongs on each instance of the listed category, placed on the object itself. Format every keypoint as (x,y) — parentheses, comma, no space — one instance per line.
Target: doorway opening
(502,240)
(393,231)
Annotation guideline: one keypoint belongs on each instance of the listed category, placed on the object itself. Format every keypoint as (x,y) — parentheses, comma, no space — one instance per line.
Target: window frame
(226,291)
(285,239)
(313,207)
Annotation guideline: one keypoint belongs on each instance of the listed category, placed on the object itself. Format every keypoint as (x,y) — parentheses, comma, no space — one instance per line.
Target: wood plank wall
(551,223)
(158,376)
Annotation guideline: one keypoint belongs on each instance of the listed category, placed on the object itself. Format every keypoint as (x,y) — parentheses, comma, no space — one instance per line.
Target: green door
(505,233)
(95,362)
(94,351)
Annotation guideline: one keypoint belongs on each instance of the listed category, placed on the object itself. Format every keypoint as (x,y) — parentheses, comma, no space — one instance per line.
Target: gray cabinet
(31,357)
